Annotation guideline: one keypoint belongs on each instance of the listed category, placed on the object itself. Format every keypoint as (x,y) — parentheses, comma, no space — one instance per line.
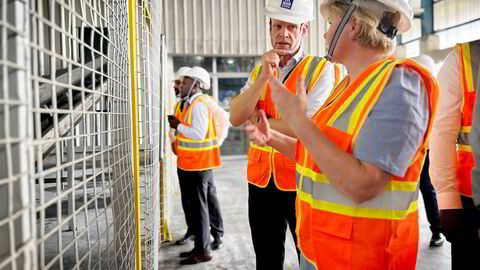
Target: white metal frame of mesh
(148,98)
(168,160)
(17,248)
(82,134)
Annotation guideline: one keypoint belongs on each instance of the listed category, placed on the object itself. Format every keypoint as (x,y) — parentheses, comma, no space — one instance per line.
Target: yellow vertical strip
(467,65)
(132,46)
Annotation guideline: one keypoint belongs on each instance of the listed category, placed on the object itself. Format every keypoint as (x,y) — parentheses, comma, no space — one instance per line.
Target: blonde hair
(368,35)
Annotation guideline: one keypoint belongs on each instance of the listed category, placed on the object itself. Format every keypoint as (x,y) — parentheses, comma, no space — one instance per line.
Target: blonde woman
(360,156)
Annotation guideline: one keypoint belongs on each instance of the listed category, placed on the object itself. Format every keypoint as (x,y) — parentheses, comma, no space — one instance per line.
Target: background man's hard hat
(292,11)
(180,73)
(201,75)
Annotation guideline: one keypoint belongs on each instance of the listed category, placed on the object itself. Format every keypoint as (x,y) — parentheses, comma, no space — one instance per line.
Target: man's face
(177,86)
(285,35)
(186,84)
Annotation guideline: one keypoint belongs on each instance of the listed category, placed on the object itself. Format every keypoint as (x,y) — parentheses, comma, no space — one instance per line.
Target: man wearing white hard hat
(454,149)
(186,205)
(360,157)
(271,175)
(198,152)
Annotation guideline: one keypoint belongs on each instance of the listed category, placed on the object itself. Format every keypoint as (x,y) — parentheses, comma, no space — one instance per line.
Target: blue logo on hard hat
(286,4)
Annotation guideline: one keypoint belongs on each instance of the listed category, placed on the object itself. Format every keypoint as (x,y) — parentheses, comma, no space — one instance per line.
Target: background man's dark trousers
(201,206)
(430,199)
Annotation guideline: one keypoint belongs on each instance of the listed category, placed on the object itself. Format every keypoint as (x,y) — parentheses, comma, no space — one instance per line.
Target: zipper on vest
(271,171)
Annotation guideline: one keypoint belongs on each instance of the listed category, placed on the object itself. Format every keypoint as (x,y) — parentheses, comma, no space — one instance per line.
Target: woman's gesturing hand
(286,103)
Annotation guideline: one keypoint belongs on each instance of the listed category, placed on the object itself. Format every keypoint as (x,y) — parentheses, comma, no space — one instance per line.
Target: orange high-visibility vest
(198,155)
(469,62)
(266,161)
(177,111)
(332,231)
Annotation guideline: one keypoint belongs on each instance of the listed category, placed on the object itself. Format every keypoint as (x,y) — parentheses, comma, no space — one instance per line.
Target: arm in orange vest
(339,166)
(243,105)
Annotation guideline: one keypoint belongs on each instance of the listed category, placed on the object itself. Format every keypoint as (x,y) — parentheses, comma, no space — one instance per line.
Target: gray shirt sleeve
(396,125)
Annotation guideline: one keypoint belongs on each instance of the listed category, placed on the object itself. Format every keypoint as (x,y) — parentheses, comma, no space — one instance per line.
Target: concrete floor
(238,250)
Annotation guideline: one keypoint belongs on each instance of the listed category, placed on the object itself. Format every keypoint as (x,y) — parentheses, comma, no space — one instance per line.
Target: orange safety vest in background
(469,62)
(198,155)
(177,111)
(332,231)
(266,161)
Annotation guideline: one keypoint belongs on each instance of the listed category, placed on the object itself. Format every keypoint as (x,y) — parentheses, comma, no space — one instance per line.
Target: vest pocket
(332,224)
(254,155)
(332,239)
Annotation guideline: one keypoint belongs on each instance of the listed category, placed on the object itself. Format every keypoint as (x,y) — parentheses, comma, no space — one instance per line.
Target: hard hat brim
(286,18)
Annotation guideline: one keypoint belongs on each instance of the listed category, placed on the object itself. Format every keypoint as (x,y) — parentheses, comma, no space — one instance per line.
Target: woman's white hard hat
(380,6)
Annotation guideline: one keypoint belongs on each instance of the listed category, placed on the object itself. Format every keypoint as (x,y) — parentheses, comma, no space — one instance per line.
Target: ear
(354,28)
(304,29)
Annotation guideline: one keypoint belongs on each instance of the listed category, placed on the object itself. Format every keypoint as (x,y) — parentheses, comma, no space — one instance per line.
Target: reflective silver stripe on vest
(388,199)
(311,69)
(198,144)
(463,138)
(305,264)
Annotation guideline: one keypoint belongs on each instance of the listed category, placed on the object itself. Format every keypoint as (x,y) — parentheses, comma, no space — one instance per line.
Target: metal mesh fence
(16,227)
(149,89)
(82,138)
(67,199)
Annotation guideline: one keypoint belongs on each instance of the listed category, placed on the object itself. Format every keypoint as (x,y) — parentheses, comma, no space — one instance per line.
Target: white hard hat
(180,73)
(380,6)
(199,74)
(292,11)
(426,61)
